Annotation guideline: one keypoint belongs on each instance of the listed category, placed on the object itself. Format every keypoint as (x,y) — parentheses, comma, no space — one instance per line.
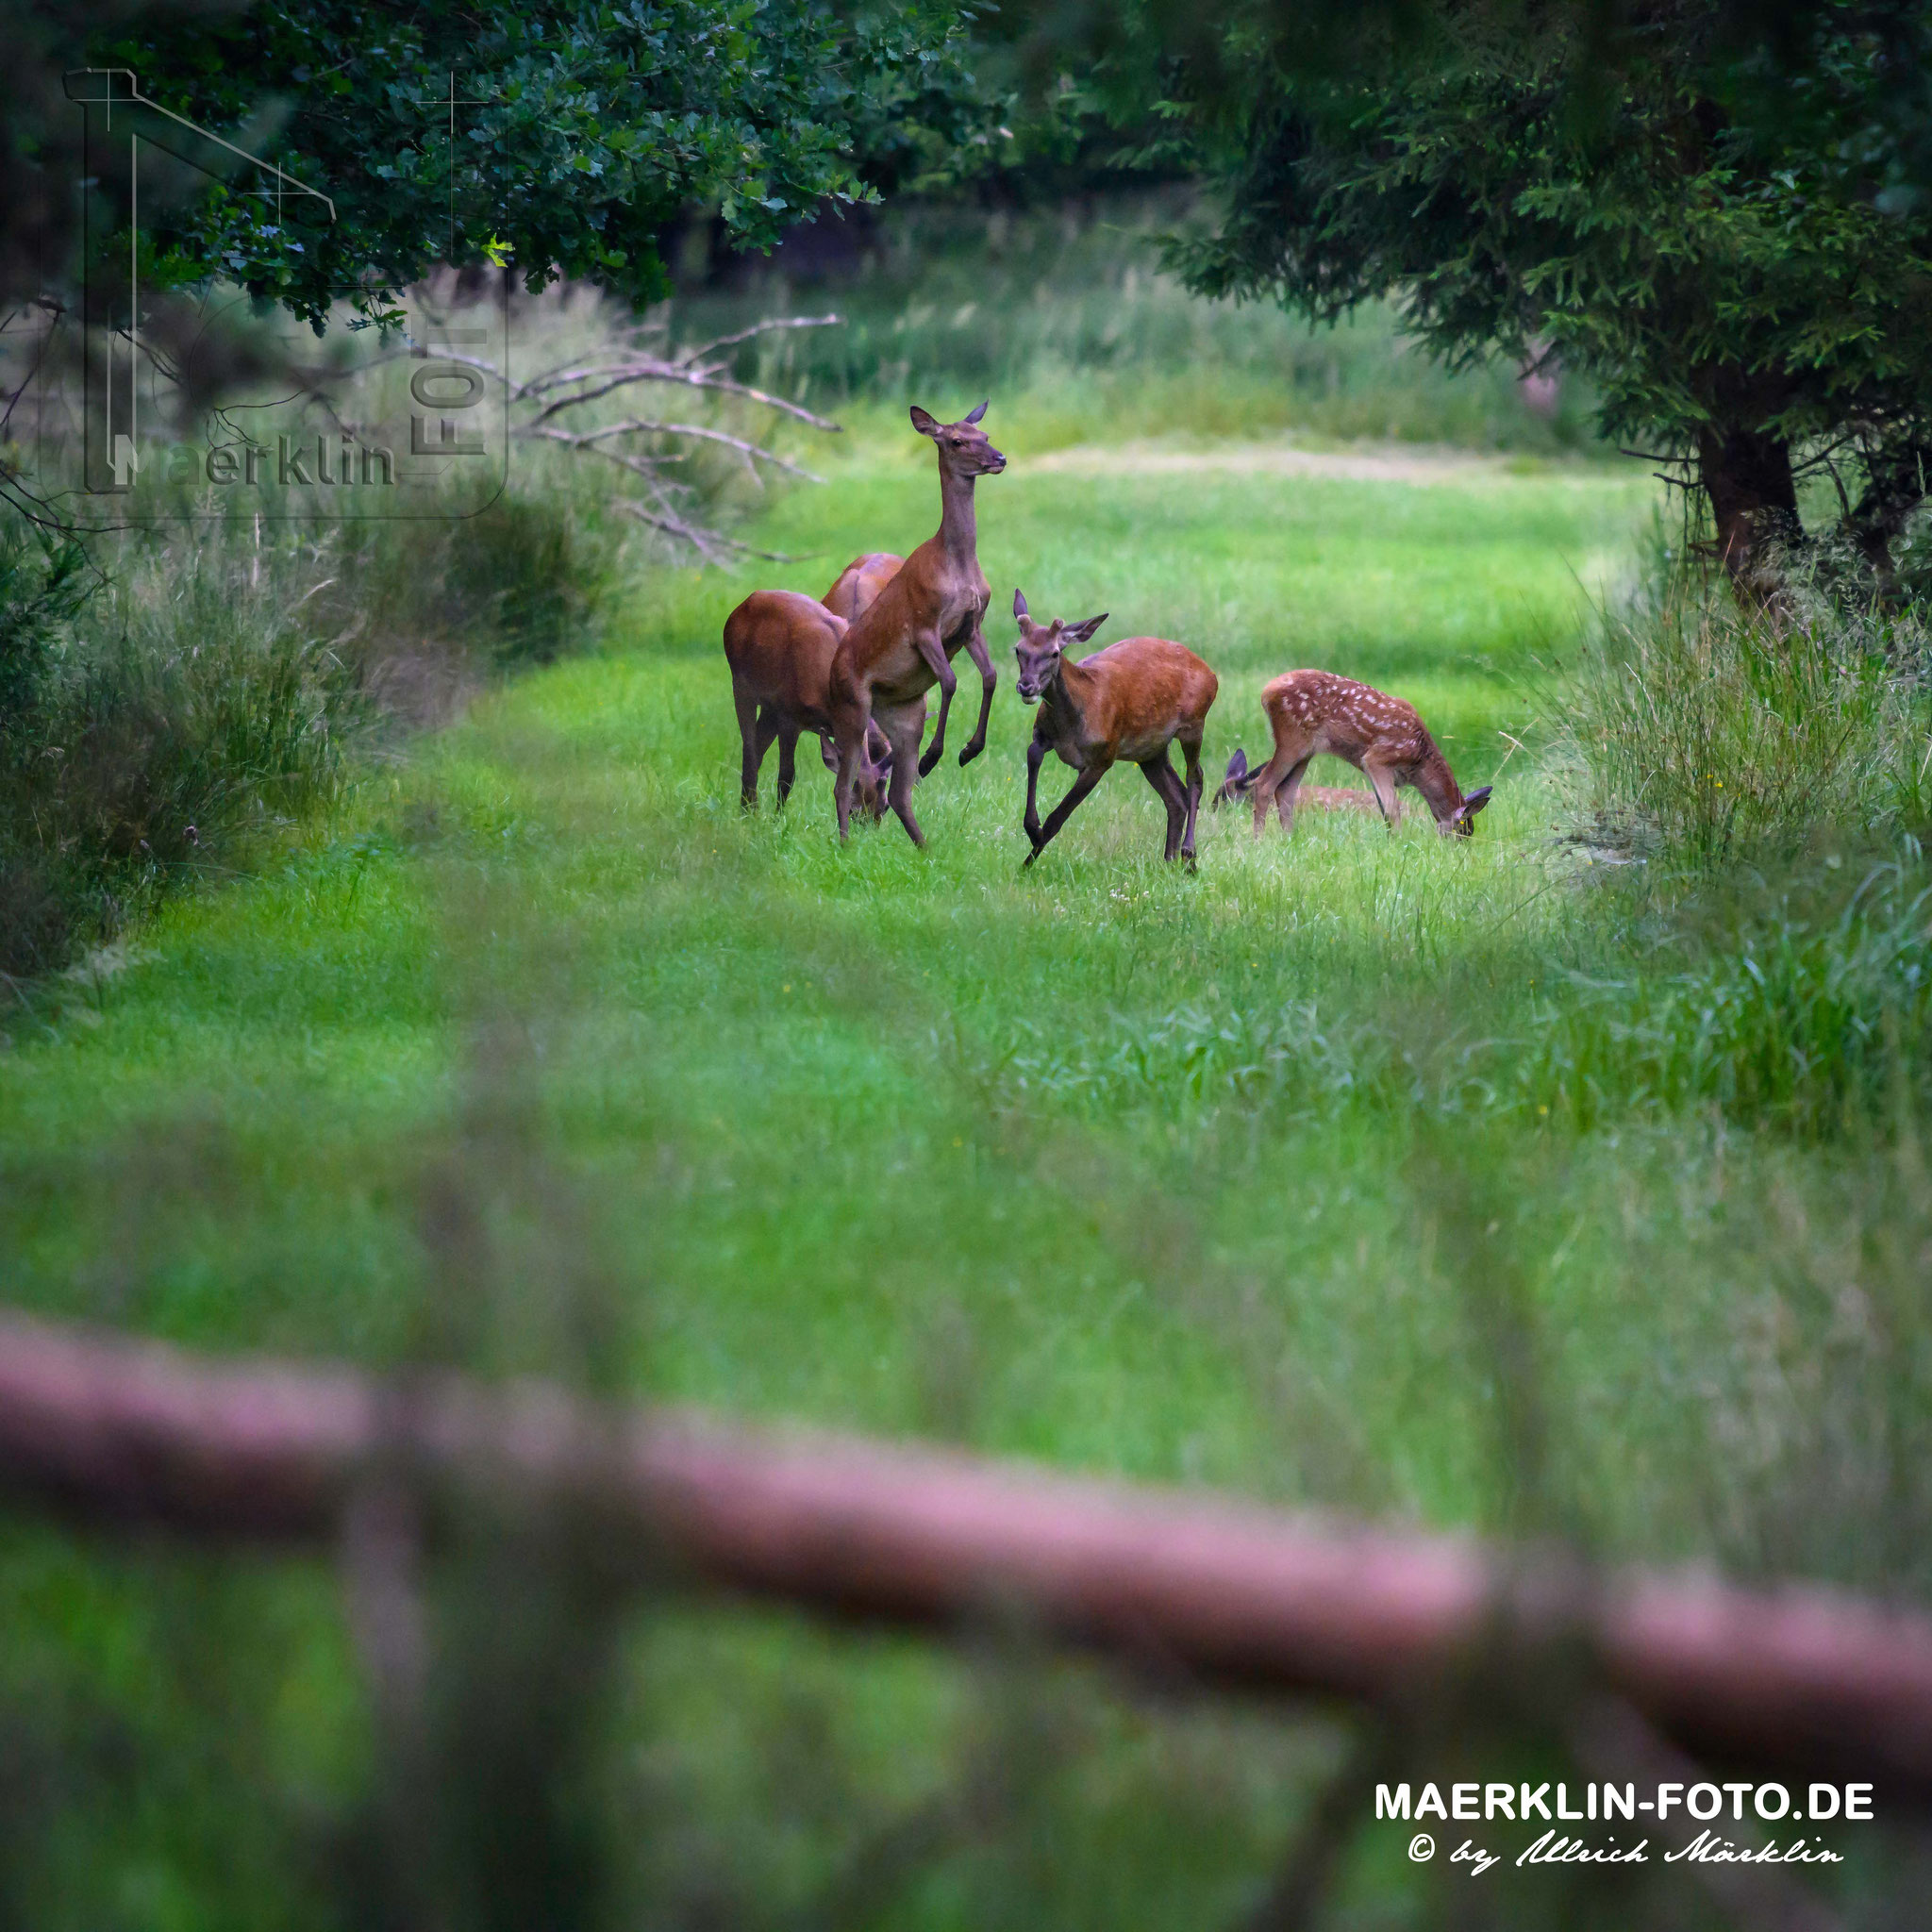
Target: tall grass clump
(1700,733)
(176,715)
(184,695)
(1808,1009)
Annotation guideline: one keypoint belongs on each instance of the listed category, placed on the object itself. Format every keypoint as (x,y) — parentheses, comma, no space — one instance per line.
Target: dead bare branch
(584,439)
(554,394)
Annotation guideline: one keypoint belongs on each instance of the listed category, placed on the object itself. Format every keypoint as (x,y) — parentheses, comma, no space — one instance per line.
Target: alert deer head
(1039,646)
(963,448)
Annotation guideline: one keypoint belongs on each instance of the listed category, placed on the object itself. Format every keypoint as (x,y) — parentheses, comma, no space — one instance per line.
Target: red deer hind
(903,642)
(1383,737)
(1130,701)
(779,645)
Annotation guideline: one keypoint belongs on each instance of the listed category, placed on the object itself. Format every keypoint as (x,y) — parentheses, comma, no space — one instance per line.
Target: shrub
(180,714)
(1700,734)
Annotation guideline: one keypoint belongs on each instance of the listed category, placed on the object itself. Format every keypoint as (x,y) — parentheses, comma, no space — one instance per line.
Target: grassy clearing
(540,1056)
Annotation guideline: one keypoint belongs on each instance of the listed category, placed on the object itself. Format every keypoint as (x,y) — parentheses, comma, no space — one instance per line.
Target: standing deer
(903,644)
(1129,701)
(860,582)
(780,646)
(1382,737)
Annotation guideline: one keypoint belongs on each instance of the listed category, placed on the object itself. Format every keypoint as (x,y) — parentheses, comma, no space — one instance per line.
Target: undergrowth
(167,708)
(1062,314)
(1703,734)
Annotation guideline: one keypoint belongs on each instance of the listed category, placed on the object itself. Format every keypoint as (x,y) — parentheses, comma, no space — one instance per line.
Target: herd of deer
(855,669)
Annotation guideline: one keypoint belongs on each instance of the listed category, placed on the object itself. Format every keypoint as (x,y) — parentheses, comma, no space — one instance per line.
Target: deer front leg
(989,677)
(1384,783)
(1065,808)
(1036,754)
(934,654)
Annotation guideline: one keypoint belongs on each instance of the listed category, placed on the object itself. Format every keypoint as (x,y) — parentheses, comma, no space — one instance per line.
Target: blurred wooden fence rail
(1799,1679)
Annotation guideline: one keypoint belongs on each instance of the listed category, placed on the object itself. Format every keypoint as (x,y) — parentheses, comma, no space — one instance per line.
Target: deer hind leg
(902,729)
(788,761)
(851,719)
(1163,776)
(747,708)
(1197,784)
(1289,790)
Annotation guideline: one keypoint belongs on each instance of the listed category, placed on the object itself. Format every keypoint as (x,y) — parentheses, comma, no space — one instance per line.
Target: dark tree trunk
(1895,479)
(1753,501)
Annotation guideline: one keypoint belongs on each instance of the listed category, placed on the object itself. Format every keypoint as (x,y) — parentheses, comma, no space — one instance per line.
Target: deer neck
(1068,693)
(1437,783)
(959,531)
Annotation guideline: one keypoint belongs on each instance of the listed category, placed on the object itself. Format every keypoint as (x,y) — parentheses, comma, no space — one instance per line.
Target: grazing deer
(903,642)
(1326,797)
(1129,701)
(780,646)
(1382,737)
(860,582)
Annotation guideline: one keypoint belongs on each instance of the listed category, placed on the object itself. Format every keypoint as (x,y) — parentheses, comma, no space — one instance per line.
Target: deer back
(1317,711)
(1140,690)
(859,584)
(780,646)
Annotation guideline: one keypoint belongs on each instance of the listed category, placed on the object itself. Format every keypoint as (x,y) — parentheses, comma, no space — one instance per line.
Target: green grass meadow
(539,1056)
(839,1112)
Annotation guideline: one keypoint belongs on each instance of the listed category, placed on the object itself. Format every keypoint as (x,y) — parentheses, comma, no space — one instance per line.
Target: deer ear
(1475,801)
(976,414)
(926,424)
(1238,765)
(1019,604)
(1081,632)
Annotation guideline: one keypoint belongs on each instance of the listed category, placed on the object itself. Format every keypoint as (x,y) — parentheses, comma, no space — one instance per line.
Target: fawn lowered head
(874,771)
(1238,780)
(1461,823)
(963,448)
(1039,646)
